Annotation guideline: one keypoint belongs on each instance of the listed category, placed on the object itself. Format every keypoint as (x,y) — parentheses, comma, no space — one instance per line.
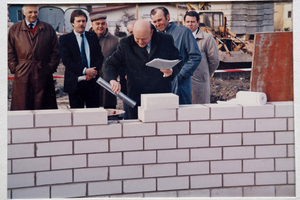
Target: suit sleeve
(96,53)
(66,47)
(12,58)
(174,54)
(113,64)
(193,53)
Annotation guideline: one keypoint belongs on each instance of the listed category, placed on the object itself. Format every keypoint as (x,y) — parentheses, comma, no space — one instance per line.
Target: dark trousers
(87,93)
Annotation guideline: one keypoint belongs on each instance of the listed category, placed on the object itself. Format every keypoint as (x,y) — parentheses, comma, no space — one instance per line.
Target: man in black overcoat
(133,53)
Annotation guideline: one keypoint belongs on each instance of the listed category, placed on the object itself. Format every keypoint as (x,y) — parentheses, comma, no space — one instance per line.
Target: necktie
(30,26)
(82,53)
(145,51)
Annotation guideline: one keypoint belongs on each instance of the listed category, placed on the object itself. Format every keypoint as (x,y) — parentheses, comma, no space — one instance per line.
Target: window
(289,14)
(20,15)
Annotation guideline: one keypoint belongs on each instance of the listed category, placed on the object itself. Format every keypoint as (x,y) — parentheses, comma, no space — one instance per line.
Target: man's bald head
(142,32)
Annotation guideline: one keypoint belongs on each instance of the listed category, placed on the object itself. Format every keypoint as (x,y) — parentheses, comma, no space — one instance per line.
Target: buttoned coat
(142,79)
(33,58)
(70,54)
(209,63)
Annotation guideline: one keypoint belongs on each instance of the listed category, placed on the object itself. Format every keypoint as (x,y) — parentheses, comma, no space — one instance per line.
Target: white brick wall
(201,151)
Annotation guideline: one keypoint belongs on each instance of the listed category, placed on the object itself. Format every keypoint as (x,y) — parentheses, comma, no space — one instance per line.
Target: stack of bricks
(247,18)
(206,150)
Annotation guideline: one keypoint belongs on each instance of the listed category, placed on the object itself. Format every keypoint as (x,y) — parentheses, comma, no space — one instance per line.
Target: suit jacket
(142,79)
(70,54)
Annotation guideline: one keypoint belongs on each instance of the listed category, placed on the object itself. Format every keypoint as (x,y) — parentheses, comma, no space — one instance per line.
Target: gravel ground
(223,88)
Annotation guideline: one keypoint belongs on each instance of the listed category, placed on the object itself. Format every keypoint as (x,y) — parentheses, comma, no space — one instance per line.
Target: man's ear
(23,11)
(168,17)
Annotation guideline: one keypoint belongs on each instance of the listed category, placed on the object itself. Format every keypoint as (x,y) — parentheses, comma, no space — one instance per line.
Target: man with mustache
(81,54)
(33,57)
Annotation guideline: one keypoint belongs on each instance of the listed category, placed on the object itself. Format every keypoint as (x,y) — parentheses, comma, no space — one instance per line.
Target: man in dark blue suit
(81,54)
(133,53)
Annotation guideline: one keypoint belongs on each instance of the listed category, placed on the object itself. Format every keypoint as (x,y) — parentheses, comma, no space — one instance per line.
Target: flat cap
(95,17)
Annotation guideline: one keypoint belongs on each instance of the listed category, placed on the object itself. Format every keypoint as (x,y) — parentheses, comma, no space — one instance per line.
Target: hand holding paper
(159,63)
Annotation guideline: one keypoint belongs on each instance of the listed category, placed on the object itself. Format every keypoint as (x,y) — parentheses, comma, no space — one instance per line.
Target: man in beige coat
(209,63)
(33,57)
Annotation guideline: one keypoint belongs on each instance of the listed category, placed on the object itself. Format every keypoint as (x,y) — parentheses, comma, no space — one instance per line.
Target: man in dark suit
(133,53)
(81,54)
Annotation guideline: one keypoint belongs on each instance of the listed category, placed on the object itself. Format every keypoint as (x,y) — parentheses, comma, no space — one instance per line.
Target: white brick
(193,112)
(20,180)
(238,179)
(284,137)
(89,116)
(206,154)
(291,177)
(130,196)
(157,170)
(161,194)
(172,128)
(102,188)
(52,118)
(193,168)
(188,141)
(271,151)
(259,191)
(105,131)
(223,111)
(264,111)
(206,127)
(159,101)
(20,151)
(31,193)
(174,183)
(284,108)
(138,129)
(238,152)
(206,181)
(227,192)
(19,119)
(258,138)
(291,124)
(53,177)
(70,190)
(285,190)
(258,165)
(90,146)
(30,135)
(126,144)
(226,139)
(9,170)
(291,150)
(68,133)
(285,164)
(226,166)
(104,159)
(31,165)
(141,157)
(141,185)
(54,148)
(74,161)
(194,193)
(9,137)
(244,125)
(160,142)
(90,174)
(126,172)
(277,124)
(163,115)
(270,178)
(173,155)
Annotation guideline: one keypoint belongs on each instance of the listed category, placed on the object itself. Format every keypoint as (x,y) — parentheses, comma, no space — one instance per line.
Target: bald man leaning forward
(132,55)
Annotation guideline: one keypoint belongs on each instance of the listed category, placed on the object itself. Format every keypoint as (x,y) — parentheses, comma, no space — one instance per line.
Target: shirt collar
(78,34)
(34,23)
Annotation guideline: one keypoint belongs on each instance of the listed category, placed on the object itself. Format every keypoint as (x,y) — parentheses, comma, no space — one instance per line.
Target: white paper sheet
(159,63)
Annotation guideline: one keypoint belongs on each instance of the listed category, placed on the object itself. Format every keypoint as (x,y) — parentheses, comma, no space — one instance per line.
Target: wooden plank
(272,66)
